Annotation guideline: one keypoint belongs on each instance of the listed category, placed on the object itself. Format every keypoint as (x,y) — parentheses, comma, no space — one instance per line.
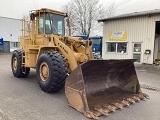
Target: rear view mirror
(32,16)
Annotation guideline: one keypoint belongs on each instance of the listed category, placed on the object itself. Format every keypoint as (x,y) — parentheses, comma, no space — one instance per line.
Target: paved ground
(22,99)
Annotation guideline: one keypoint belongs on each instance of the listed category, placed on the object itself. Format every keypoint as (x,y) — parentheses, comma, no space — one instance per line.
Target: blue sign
(1,41)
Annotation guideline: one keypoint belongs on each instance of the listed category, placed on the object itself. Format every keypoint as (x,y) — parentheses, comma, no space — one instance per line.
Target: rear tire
(51,71)
(16,65)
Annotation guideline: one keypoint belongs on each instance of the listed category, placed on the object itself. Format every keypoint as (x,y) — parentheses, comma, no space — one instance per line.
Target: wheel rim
(44,71)
(15,63)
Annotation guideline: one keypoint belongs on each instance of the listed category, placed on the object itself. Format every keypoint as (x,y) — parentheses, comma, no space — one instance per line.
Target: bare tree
(111,10)
(69,23)
(83,16)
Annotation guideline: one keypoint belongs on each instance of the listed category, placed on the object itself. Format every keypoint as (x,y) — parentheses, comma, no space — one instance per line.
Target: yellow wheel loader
(93,87)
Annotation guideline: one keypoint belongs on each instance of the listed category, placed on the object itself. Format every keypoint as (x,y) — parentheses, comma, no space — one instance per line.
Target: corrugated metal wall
(10,29)
(139,29)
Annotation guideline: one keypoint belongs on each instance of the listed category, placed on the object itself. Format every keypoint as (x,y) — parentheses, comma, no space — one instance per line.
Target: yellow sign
(118,36)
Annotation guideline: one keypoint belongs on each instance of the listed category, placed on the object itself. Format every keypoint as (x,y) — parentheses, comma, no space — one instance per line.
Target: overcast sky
(18,8)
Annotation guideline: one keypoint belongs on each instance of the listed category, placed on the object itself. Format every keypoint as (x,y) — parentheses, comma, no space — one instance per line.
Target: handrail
(26,27)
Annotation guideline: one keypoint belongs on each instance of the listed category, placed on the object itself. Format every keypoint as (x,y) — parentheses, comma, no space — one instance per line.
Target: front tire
(51,71)
(16,65)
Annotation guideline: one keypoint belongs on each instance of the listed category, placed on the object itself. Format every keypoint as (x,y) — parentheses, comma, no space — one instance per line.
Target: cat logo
(1,41)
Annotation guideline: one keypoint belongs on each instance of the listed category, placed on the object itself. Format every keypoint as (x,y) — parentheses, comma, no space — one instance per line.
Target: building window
(122,47)
(111,47)
(117,47)
(137,47)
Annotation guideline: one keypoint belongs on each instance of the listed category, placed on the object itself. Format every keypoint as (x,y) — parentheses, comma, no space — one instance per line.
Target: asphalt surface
(22,99)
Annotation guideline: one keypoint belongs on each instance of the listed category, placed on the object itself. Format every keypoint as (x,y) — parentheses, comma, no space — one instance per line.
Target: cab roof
(46,10)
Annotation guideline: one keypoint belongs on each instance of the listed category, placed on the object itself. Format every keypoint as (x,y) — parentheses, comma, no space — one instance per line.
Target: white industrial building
(9,31)
(135,35)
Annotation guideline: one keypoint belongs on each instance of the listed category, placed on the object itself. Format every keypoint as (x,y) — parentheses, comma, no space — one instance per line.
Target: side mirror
(32,16)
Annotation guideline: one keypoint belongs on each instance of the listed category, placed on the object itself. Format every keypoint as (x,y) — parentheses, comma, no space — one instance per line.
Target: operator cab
(49,21)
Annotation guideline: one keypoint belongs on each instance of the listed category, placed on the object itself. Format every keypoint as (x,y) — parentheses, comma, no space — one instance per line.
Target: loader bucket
(98,87)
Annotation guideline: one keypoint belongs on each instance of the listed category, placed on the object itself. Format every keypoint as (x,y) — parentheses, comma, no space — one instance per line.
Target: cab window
(41,23)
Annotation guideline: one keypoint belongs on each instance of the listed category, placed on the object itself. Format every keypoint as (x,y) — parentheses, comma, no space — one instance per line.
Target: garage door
(6,46)
(1,48)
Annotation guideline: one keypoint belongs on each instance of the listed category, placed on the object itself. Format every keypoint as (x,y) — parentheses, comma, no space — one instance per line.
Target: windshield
(54,24)
(96,41)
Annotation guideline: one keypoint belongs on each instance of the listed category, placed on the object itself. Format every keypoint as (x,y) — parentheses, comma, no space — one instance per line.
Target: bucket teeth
(130,100)
(110,108)
(145,95)
(90,115)
(118,105)
(125,102)
(103,112)
(141,96)
(136,98)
